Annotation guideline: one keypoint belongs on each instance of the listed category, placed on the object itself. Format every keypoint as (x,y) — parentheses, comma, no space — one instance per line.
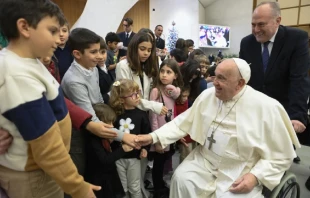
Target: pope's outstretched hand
(144,140)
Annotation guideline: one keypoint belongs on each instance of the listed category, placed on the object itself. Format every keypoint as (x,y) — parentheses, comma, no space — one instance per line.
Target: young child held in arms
(100,164)
(166,90)
(32,106)
(124,99)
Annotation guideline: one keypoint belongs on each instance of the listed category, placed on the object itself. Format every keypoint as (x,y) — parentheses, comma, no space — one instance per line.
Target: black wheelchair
(288,188)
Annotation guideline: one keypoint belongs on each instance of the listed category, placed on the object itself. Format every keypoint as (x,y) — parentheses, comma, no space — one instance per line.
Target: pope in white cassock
(245,139)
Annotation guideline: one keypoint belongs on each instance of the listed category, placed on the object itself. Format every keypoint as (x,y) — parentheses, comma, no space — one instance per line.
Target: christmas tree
(172,37)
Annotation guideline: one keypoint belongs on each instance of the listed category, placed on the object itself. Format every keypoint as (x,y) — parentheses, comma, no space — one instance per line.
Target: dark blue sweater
(64,59)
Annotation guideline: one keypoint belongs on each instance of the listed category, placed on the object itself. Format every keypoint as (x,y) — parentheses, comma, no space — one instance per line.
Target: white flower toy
(126,126)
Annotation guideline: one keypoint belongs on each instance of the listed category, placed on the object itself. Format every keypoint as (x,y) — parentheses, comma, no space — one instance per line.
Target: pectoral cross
(211,140)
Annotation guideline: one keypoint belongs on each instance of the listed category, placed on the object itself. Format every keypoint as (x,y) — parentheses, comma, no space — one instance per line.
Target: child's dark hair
(211,71)
(181,44)
(189,42)
(112,37)
(120,89)
(179,55)
(173,65)
(105,113)
(103,45)
(81,39)
(150,65)
(33,11)
(195,53)
(188,70)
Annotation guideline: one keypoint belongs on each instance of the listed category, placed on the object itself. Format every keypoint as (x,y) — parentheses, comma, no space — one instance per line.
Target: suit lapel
(106,76)
(123,36)
(131,35)
(276,49)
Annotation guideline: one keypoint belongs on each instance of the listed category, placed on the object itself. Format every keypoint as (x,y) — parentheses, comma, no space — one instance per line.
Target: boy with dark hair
(190,45)
(33,107)
(81,82)
(111,40)
(105,77)
(178,55)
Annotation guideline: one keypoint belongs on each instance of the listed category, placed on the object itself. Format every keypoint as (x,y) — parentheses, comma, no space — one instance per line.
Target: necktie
(265,55)
(127,35)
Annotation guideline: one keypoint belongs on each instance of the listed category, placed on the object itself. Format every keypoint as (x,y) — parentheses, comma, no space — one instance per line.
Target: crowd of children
(76,76)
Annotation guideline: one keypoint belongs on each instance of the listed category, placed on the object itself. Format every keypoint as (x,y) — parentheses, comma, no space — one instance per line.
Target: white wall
(235,15)
(100,18)
(202,14)
(185,13)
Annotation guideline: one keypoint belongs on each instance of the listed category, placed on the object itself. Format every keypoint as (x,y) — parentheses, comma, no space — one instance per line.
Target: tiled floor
(302,170)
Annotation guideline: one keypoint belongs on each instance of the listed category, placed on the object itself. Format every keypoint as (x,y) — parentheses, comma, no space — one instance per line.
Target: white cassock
(255,137)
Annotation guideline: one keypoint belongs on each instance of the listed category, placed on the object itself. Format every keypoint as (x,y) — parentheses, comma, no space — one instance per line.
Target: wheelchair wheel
(292,190)
(288,188)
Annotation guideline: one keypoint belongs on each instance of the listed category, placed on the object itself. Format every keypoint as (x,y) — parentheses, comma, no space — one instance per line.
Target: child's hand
(164,110)
(91,193)
(158,148)
(172,91)
(127,148)
(131,140)
(143,153)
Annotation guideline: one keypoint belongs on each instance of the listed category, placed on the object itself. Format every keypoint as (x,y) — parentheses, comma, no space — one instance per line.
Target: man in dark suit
(160,43)
(125,36)
(279,61)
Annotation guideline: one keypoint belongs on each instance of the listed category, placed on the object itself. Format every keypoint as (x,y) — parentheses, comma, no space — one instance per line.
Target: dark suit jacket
(286,76)
(160,43)
(122,36)
(105,82)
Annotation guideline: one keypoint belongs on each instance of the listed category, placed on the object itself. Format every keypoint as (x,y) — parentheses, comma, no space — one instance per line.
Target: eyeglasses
(125,25)
(134,95)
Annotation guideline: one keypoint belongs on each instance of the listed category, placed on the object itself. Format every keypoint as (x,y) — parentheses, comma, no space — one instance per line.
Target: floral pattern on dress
(125,125)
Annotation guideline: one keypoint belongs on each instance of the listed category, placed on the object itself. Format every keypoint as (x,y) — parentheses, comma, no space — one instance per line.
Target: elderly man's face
(264,23)
(227,80)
